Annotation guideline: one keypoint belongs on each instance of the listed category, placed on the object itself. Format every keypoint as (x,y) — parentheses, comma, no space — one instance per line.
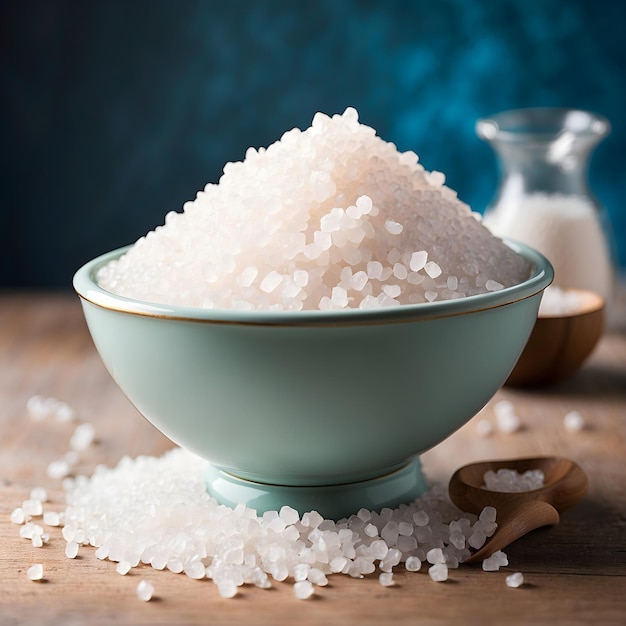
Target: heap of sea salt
(332,217)
(156,511)
(510,481)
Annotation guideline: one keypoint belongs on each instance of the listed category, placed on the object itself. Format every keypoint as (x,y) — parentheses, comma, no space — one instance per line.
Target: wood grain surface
(575,572)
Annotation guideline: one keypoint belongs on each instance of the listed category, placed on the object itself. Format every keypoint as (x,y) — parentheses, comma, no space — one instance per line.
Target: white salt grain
(227,588)
(52,518)
(386,579)
(493,285)
(573,422)
(145,590)
(32,508)
(418,260)
(477,539)
(488,514)
(29,529)
(58,469)
(507,419)
(82,437)
(438,572)
(39,493)
(71,550)
(393,227)
(413,564)
(289,515)
(432,269)
(484,428)
(435,555)
(35,572)
(18,516)
(303,589)
(515,580)
(317,577)
(495,562)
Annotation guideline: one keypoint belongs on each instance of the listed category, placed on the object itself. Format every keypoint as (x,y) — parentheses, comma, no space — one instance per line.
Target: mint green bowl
(324,410)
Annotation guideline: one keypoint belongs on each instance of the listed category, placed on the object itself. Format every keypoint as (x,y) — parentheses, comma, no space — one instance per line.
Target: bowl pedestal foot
(334,502)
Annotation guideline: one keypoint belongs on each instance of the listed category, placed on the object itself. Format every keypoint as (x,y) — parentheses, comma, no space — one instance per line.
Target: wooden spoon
(520,512)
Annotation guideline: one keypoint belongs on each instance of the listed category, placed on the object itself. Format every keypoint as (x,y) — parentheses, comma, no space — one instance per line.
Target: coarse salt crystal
(515,580)
(39,493)
(32,508)
(418,260)
(488,514)
(82,437)
(506,417)
(145,590)
(493,285)
(393,227)
(413,564)
(432,269)
(303,589)
(52,518)
(435,555)
(484,428)
(508,422)
(574,421)
(58,469)
(497,560)
(71,549)
(35,572)
(386,579)
(438,572)
(289,515)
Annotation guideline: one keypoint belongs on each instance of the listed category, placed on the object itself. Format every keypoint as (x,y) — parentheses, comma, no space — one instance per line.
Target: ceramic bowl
(323,410)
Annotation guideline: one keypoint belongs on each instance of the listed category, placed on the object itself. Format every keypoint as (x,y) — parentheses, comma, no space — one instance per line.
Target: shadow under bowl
(324,410)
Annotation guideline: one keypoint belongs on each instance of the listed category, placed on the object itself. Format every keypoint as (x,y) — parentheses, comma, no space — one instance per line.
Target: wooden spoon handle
(514,523)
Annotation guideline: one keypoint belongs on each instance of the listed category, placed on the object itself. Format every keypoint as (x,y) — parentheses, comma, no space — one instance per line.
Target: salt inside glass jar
(543,198)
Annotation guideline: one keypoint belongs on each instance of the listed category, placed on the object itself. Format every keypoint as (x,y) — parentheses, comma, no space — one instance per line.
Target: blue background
(115,112)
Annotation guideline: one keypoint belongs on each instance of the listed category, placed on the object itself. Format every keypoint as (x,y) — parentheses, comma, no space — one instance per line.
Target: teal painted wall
(115,112)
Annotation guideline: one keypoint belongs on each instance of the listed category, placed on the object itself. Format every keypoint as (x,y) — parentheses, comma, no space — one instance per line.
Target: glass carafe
(543,198)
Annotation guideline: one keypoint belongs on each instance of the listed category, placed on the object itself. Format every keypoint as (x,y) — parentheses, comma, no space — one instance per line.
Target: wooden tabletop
(575,572)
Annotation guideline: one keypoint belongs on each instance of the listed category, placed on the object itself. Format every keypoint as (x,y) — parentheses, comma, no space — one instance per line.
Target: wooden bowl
(559,344)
